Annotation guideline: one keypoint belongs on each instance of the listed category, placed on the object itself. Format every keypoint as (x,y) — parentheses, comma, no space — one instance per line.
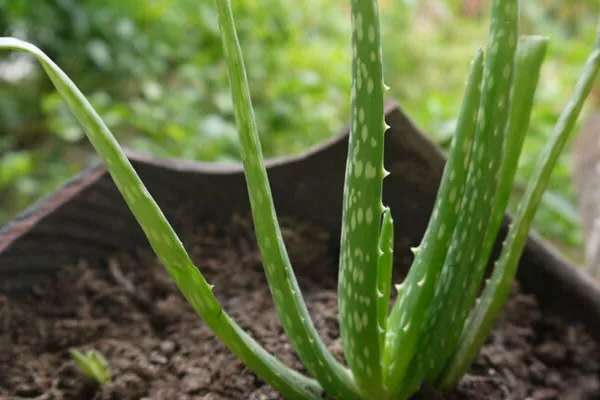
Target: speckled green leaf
(289,303)
(384,274)
(362,208)
(165,242)
(482,180)
(440,340)
(405,322)
(497,290)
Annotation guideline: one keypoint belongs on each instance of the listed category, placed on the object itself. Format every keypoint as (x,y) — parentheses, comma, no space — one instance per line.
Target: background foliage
(155,71)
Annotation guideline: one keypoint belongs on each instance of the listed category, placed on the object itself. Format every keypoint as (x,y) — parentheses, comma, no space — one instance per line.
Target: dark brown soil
(158,349)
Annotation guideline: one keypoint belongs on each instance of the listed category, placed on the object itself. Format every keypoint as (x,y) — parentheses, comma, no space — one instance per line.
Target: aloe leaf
(362,207)
(528,62)
(484,167)
(415,294)
(496,292)
(531,52)
(384,273)
(164,240)
(482,180)
(92,364)
(444,328)
(287,296)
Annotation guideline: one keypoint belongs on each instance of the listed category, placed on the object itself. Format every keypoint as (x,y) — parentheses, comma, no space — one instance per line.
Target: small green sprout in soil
(92,364)
(437,324)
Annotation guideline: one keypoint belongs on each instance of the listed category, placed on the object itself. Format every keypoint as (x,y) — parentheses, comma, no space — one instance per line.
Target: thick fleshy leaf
(362,208)
(415,294)
(482,178)
(497,290)
(289,303)
(438,342)
(164,240)
(384,274)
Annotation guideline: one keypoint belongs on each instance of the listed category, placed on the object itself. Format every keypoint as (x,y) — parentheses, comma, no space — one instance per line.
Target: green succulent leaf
(531,52)
(362,207)
(440,340)
(92,364)
(384,273)
(482,179)
(497,290)
(528,63)
(287,296)
(164,240)
(416,292)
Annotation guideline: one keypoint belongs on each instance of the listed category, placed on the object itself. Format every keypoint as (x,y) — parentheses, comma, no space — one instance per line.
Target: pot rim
(72,223)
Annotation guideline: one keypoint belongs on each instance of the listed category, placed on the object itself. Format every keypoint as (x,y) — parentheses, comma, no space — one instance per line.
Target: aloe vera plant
(435,327)
(92,364)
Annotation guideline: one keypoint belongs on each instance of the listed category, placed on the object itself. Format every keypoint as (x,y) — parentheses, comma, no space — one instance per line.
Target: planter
(75,256)
(586,160)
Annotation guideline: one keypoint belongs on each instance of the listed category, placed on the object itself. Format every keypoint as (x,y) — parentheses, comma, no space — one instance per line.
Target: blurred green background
(154,70)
